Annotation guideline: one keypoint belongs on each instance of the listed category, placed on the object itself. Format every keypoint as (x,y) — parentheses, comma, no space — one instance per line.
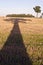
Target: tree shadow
(14,51)
(18,18)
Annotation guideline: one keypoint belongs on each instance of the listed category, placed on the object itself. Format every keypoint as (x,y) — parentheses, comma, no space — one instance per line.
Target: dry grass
(32,33)
(32,26)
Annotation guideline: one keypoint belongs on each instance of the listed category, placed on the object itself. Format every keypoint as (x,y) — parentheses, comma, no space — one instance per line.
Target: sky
(19,6)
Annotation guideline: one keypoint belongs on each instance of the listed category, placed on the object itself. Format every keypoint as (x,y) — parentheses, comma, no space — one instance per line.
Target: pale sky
(19,6)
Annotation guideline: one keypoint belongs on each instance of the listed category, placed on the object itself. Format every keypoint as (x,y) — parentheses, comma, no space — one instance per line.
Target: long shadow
(14,51)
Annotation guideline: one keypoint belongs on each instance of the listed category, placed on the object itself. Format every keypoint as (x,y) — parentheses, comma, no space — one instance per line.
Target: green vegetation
(19,15)
(37,9)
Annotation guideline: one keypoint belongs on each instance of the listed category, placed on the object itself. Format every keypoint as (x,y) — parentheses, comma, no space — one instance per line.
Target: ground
(31,31)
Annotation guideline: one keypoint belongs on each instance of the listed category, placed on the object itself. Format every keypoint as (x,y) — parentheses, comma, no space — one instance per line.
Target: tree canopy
(37,9)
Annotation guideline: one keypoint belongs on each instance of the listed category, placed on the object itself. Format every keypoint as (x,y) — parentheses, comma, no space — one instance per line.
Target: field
(24,36)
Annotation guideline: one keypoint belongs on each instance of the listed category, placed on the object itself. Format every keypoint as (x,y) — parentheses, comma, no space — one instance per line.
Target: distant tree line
(19,15)
(37,9)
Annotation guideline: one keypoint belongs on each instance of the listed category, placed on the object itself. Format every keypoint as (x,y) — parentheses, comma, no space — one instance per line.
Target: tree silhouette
(37,9)
(14,51)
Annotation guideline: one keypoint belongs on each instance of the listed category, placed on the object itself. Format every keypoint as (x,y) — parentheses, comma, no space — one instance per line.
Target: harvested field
(21,40)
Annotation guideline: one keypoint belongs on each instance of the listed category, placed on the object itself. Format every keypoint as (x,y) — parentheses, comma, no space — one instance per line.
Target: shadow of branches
(14,51)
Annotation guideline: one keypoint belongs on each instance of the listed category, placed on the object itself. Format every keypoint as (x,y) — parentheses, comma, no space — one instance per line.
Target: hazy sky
(19,6)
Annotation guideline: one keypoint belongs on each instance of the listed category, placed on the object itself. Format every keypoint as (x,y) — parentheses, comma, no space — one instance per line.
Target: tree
(42,15)
(37,9)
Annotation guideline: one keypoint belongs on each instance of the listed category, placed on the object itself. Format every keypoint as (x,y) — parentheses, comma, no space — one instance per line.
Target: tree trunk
(37,15)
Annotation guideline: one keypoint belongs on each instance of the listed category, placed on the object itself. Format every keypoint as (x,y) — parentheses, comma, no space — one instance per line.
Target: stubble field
(31,31)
